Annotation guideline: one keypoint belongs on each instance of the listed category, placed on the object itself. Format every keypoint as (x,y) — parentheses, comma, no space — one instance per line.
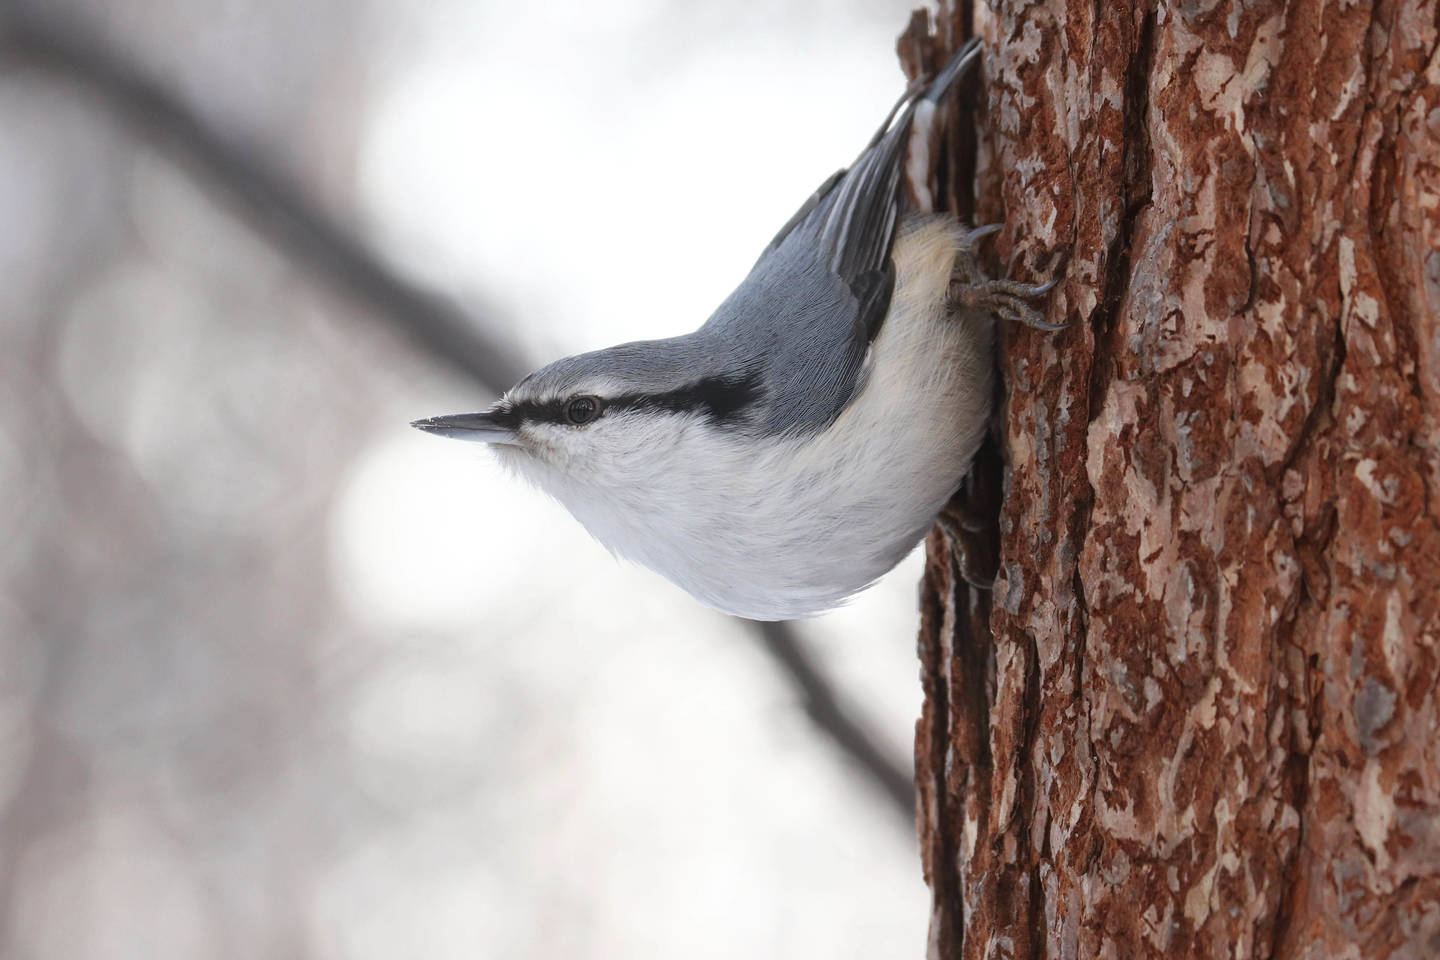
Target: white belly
(800,526)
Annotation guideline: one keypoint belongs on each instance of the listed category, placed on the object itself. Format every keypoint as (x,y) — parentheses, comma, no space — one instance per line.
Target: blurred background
(281,677)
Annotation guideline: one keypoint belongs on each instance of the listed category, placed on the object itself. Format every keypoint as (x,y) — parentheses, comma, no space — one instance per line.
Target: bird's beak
(495,425)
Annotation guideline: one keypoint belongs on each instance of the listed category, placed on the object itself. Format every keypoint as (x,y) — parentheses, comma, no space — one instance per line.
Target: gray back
(788,345)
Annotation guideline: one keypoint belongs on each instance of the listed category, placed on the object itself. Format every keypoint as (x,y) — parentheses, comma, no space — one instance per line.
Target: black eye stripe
(718,399)
(540,411)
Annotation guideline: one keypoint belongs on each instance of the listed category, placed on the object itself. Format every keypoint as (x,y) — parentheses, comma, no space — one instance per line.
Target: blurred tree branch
(281,211)
(276,207)
(826,712)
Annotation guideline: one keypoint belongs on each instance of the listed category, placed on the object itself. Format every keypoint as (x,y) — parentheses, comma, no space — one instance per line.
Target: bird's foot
(960,530)
(970,288)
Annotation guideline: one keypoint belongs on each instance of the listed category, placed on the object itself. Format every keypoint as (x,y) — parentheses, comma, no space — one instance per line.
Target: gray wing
(817,296)
(849,222)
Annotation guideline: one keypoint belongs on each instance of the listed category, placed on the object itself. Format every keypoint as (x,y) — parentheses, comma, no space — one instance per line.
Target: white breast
(798,526)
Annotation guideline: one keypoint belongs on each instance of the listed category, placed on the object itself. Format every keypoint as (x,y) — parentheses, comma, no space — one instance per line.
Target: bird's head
(606,418)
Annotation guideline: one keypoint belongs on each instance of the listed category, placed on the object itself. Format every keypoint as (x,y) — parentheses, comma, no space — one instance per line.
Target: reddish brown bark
(1197,715)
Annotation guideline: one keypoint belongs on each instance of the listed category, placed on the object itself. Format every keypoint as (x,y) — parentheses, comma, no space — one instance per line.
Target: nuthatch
(797,446)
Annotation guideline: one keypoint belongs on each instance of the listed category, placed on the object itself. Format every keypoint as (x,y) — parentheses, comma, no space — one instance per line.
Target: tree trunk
(1197,715)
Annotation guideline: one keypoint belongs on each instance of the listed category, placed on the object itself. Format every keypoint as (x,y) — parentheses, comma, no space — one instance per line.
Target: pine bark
(1197,714)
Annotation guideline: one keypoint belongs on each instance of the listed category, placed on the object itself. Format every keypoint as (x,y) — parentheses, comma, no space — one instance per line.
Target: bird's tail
(966,57)
(929,92)
(923,147)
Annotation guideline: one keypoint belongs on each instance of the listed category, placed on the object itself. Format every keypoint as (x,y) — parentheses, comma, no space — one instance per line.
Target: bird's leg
(960,530)
(971,289)
(969,533)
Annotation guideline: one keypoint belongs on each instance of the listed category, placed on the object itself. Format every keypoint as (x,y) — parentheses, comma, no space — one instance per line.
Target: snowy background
(281,677)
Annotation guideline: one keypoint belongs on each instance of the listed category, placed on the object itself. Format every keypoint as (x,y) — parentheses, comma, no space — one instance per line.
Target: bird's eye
(582,409)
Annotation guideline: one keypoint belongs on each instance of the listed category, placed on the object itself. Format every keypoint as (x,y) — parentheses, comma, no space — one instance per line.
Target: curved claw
(980,233)
(976,580)
(1034,322)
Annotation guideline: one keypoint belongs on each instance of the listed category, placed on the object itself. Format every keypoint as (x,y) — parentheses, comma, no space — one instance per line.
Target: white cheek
(615,451)
(557,447)
(628,450)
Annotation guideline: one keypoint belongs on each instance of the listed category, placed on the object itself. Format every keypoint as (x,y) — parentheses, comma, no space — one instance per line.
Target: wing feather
(854,214)
(818,295)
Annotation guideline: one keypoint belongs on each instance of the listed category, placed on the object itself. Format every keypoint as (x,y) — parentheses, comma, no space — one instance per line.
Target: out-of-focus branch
(827,713)
(281,211)
(268,201)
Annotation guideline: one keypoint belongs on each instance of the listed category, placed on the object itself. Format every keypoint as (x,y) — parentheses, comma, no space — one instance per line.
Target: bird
(794,448)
